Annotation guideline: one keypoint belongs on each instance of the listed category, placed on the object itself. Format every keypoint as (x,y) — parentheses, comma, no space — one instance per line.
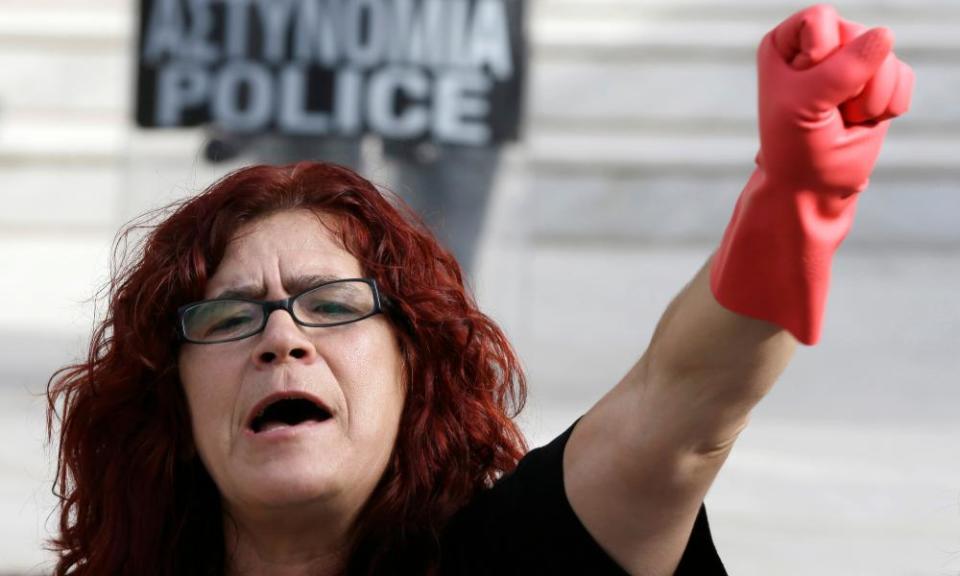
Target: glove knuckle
(820,13)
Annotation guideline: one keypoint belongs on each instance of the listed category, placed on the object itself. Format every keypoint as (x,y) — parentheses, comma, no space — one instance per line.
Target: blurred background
(640,133)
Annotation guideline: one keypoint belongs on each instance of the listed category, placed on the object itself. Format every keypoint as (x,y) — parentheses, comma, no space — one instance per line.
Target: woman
(291,378)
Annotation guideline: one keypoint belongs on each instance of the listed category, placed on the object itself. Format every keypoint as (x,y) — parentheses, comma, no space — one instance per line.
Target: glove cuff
(775,257)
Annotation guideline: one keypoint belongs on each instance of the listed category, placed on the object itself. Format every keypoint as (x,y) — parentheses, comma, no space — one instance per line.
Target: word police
(399,68)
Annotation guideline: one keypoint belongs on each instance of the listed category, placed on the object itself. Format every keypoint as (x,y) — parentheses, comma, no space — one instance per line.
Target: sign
(446,70)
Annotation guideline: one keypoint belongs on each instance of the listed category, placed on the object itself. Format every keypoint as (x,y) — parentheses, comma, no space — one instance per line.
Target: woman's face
(354,370)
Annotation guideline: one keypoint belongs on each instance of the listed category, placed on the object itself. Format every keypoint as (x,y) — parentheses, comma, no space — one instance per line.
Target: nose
(281,341)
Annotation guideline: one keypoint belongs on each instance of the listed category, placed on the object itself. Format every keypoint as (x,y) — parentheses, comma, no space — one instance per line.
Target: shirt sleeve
(525,525)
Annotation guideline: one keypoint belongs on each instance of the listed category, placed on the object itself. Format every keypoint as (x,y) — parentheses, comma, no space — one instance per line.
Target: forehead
(283,247)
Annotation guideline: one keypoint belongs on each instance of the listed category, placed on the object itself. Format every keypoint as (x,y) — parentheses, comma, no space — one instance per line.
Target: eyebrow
(293,285)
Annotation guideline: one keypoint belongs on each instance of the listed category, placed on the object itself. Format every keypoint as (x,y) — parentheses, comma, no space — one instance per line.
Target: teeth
(273,426)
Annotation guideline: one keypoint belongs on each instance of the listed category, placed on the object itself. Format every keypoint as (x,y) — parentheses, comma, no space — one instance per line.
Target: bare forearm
(727,362)
(637,467)
(666,429)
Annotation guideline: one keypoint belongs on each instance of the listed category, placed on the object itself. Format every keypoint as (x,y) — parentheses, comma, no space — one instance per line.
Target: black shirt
(525,525)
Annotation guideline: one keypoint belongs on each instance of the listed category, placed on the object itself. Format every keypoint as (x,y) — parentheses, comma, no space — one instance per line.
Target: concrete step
(619,26)
(582,186)
(775,10)
(629,188)
(581,315)
(662,209)
(635,95)
(695,97)
(657,62)
(639,153)
(586,149)
(667,120)
(109,21)
(714,40)
(76,24)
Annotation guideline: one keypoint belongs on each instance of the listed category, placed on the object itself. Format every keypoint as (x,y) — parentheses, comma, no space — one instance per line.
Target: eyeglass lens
(329,304)
(334,303)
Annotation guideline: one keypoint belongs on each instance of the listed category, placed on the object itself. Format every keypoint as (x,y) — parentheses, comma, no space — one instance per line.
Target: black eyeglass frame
(271,306)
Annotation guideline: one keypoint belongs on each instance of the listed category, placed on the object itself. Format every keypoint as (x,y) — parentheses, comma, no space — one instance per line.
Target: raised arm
(639,464)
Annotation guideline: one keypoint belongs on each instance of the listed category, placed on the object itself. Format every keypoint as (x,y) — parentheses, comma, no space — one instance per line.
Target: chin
(282,483)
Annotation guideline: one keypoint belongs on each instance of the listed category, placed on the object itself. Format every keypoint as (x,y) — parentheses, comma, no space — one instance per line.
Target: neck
(285,543)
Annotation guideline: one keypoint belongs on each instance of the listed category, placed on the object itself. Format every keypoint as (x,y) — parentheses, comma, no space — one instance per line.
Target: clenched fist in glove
(827,91)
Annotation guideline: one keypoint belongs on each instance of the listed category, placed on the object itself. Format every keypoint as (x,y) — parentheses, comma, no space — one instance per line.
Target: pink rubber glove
(827,91)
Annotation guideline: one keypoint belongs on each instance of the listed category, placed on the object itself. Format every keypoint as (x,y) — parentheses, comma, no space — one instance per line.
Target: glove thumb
(844,73)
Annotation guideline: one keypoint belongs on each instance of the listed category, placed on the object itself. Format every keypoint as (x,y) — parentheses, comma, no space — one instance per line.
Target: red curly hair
(134,496)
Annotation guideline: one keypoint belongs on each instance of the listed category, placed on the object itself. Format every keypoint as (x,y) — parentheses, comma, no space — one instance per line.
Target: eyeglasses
(329,304)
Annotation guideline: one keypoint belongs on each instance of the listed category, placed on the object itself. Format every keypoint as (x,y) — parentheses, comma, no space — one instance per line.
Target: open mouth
(288,412)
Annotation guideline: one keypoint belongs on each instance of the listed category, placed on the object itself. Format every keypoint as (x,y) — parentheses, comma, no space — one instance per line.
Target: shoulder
(524,524)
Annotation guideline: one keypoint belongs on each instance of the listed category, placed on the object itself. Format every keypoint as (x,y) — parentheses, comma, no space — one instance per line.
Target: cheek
(375,384)
(207,389)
